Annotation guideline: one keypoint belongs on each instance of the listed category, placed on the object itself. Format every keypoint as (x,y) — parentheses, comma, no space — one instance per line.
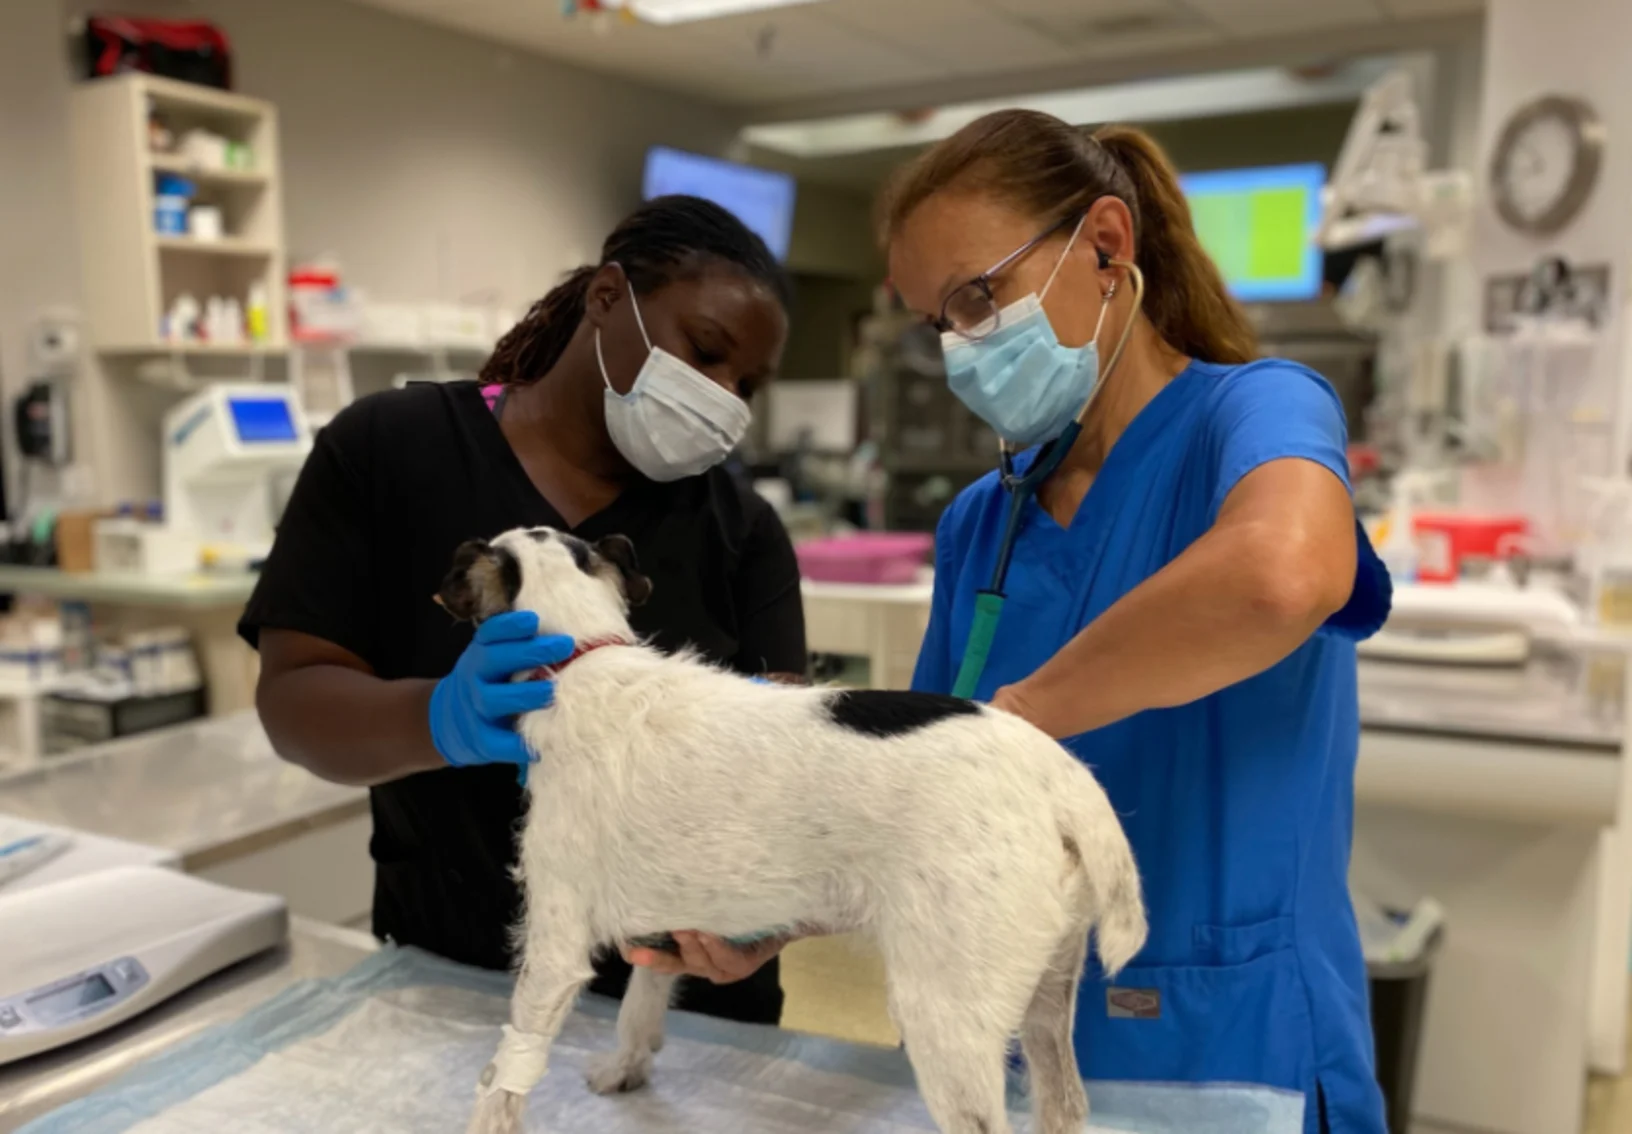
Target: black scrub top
(393,485)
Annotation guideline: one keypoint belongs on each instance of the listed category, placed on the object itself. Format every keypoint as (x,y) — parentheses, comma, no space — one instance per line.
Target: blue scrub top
(1240,806)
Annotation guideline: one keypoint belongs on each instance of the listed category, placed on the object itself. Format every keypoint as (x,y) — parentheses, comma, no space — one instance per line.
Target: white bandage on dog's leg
(518,1065)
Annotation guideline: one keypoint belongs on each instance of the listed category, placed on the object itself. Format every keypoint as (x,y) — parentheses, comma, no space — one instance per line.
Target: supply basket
(866,557)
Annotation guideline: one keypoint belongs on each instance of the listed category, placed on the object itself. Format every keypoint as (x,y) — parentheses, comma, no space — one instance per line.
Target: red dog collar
(546,672)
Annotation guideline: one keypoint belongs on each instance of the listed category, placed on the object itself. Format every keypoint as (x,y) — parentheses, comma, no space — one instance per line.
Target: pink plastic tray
(867,557)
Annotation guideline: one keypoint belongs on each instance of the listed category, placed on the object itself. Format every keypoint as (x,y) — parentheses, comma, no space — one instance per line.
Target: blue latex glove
(474,707)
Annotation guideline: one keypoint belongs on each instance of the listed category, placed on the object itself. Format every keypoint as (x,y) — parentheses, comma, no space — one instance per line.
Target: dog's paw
(618,1073)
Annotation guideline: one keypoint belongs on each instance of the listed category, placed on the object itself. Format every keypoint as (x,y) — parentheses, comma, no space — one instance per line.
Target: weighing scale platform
(92,951)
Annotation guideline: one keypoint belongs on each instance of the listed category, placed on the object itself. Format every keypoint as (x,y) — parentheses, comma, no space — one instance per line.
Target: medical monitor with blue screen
(261,420)
(761,198)
(1257,225)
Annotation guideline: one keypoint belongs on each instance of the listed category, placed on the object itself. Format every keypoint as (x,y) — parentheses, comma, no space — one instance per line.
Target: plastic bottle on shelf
(232,317)
(256,313)
(182,326)
(1395,540)
(214,319)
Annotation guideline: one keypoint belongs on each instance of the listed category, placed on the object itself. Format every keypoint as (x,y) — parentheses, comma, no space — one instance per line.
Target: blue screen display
(260,420)
(1258,225)
(762,199)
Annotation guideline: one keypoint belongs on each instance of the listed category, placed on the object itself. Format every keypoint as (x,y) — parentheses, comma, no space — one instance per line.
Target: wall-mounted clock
(1546,164)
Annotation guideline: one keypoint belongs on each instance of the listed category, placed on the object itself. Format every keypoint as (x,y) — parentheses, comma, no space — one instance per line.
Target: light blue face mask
(1021,380)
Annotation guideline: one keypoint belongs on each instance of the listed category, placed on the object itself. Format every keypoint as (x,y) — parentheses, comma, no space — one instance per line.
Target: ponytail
(666,239)
(1052,169)
(1185,297)
(533,345)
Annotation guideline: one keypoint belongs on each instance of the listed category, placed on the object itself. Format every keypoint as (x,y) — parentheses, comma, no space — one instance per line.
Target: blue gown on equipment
(1239,806)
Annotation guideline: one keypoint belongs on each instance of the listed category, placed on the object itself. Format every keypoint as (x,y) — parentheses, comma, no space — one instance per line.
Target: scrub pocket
(1239,1015)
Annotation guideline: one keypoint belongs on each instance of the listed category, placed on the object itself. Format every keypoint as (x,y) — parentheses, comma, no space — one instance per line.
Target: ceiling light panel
(685,11)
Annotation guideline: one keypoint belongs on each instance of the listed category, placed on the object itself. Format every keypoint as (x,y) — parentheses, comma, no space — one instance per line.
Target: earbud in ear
(1104,258)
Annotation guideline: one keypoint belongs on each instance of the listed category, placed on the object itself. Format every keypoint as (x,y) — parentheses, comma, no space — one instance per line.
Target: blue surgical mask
(1020,379)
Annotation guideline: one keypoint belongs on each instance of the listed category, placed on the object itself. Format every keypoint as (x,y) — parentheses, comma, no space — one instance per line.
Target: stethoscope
(1022,487)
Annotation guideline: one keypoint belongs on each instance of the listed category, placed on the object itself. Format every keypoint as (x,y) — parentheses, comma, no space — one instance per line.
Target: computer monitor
(761,198)
(1257,225)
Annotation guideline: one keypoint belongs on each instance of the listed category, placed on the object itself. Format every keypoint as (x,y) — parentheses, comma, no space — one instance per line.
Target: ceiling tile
(1428,9)
(967,37)
(1245,18)
(1102,29)
(800,42)
(1083,9)
(766,57)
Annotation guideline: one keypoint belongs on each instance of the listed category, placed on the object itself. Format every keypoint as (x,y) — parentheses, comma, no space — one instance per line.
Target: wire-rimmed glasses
(971,311)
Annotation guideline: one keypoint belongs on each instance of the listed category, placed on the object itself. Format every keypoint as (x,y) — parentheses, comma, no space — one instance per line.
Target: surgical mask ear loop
(639,322)
(1003,447)
(1060,263)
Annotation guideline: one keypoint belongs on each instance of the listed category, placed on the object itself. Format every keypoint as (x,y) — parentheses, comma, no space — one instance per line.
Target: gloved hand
(472,708)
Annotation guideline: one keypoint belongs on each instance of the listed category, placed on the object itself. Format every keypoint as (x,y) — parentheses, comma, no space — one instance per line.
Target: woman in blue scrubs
(1185,592)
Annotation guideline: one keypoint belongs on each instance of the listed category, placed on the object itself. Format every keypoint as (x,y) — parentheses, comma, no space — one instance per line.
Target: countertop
(130,587)
(917,593)
(1547,700)
(209,790)
(40,1085)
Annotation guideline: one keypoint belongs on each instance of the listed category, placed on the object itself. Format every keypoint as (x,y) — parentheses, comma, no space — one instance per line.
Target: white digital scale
(86,953)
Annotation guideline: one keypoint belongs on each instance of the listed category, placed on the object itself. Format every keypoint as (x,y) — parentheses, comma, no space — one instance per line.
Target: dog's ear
(617,551)
(483,581)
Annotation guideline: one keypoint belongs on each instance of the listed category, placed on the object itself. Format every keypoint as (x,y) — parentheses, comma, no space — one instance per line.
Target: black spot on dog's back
(889,712)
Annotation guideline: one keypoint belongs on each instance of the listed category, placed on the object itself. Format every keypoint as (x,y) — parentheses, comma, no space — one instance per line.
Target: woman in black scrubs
(352,645)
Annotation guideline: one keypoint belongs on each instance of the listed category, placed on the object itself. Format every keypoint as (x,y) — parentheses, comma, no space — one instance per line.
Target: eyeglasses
(970,310)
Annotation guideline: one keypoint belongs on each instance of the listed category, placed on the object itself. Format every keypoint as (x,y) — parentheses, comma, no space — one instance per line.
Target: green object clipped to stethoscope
(1021,488)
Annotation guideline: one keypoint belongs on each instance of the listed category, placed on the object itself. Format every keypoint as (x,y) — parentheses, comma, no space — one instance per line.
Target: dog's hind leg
(640,1033)
(555,966)
(956,1019)
(960,1074)
(1059,1100)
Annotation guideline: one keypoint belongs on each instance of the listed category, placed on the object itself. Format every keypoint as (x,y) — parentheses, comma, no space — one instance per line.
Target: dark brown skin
(723,322)
(322,705)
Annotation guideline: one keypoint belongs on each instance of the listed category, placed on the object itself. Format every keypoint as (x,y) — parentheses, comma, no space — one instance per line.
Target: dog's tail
(1092,835)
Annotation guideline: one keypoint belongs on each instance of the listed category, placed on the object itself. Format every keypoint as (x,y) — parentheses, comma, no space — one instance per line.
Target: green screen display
(1257,225)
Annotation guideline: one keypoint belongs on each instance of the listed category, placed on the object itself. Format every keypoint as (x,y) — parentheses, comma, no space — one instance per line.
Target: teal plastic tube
(983,631)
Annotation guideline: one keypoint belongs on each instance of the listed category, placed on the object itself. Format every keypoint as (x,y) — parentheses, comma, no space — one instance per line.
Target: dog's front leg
(640,1034)
(555,966)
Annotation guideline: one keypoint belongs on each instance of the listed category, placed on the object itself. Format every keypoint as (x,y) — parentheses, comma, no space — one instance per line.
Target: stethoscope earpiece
(1104,259)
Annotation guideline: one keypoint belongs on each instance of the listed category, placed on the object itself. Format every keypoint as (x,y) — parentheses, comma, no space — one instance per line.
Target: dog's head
(577,588)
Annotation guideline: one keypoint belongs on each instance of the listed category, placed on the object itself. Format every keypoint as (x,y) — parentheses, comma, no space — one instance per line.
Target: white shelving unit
(132,273)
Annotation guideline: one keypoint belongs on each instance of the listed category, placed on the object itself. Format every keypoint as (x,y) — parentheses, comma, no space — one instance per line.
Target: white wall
(1561,48)
(39,263)
(434,165)
(438,165)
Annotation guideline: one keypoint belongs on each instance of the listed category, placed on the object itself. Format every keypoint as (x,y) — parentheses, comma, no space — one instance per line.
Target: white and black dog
(670,794)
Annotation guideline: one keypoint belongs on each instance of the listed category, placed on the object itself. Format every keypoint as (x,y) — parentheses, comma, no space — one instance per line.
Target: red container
(866,557)
(1444,539)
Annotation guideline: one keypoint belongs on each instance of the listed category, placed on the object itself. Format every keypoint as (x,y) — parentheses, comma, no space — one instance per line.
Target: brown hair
(1052,169)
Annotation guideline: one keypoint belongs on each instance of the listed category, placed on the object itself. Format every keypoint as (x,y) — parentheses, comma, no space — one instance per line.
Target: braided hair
(666,239)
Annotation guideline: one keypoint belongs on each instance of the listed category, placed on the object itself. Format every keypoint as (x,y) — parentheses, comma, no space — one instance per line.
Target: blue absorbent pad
(395,1046)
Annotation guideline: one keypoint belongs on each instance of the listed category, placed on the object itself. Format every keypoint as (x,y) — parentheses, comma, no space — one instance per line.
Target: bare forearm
(348,726)
(1216,615)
